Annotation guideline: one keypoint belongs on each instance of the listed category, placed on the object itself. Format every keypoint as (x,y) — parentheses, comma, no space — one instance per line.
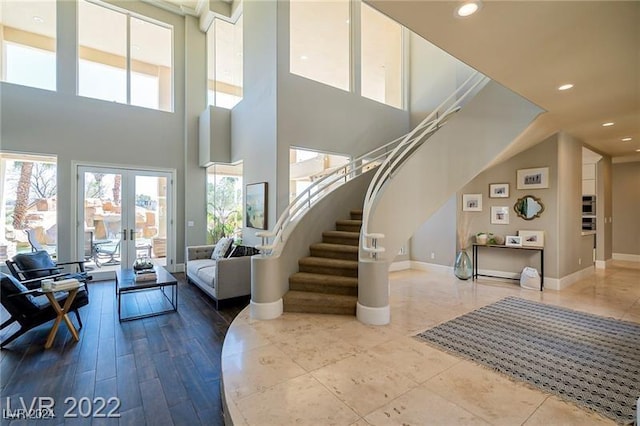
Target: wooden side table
(62,314)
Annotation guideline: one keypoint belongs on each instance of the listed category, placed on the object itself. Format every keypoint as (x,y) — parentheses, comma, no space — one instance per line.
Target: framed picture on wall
(471,202)
(499,215)
(255,208)
(498,190)
(533,178)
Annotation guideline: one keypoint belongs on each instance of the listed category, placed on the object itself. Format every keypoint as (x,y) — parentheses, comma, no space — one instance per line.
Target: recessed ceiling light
(304,57)
(637,150)
(566,86)
(625,139)
(468,8)
(608,124)
(38,19)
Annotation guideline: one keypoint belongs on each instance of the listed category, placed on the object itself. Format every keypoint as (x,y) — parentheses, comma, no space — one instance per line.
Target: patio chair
(109,251)
(35,244)
(34,267)
(30,308)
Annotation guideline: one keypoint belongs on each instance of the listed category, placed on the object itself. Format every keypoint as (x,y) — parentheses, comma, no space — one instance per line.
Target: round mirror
(529,207)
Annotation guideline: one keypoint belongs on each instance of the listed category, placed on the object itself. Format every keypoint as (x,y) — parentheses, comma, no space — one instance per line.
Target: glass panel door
(101,217)
(123,215)
(151,220)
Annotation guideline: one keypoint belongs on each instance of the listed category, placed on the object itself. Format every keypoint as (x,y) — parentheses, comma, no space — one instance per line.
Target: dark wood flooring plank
(156,410)
(183,414)
(173,359)
(127,380)
(174,390)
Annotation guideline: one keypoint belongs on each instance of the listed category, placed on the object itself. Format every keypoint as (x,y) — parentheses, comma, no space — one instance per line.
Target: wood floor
(165,370)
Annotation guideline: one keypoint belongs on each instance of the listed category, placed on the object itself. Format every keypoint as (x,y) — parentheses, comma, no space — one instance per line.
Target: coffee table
(126,283)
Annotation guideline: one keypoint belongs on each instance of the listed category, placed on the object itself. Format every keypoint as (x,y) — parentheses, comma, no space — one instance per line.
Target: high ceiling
(532,47)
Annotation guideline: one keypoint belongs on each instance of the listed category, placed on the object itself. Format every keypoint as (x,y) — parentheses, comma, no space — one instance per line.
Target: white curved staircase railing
(403,150)
(393,152)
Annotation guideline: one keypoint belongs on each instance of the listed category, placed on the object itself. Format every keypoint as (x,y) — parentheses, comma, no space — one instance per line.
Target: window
(320,42)
(104,36)
(381,57)
(28,38)
(224,202)
(224,63)
(27,201)
(307,166)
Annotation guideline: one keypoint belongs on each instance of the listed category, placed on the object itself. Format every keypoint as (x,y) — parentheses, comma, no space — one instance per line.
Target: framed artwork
(532,238)
(533,178)
(472,202)
(255,211)
(513,241)
(498,190)
(499,215)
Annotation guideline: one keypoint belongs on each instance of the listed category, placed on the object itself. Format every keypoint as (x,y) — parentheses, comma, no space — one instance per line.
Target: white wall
(280,110)
(626,205)
(90,130)
(253,120)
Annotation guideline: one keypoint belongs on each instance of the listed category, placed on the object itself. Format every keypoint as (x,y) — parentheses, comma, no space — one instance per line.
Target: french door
(124,214)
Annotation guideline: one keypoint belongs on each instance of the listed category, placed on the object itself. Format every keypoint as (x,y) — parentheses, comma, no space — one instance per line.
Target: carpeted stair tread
(334,251)
(322,283)
(349,225)
(319,303)
(341,237)
(323,265)
(356,214)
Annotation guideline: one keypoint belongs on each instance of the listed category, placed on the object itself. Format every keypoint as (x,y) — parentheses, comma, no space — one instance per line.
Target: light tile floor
(332,370)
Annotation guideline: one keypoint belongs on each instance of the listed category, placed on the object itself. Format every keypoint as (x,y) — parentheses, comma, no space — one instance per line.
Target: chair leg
(7,322)
(14,336)
(78,318)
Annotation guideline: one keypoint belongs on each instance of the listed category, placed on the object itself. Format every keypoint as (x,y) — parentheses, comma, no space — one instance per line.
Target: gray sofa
(222,279)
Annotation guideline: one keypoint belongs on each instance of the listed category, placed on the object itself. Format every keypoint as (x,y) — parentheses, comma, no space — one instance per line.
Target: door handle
(124,234)
(131,234)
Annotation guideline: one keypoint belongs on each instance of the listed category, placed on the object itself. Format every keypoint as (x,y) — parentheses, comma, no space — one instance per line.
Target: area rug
(589,360)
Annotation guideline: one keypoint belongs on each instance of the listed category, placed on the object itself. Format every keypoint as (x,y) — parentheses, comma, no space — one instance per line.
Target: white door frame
(78,248)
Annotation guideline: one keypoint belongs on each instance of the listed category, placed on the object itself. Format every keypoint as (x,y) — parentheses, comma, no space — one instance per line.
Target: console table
(494,246)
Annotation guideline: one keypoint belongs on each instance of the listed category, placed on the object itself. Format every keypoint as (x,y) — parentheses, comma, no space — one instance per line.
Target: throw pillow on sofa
(240,251)
(222,247)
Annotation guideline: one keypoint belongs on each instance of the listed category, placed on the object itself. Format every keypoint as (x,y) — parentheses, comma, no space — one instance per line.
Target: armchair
(31,268)
(31,309)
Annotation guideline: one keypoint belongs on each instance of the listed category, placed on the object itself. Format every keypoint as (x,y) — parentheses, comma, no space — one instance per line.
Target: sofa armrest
(199,252)
(233,277)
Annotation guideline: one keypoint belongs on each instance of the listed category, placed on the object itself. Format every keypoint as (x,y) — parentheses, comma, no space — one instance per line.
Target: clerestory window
(28,43)
(123,57)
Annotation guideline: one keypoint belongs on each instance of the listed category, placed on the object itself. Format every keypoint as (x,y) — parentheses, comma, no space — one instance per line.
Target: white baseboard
(373,316)
(627,257)
(400,266)
(568,280)
(430,267)
(603,264)
(266,311)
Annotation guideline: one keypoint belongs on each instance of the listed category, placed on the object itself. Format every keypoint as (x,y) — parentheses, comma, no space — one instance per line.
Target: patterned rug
(585,359)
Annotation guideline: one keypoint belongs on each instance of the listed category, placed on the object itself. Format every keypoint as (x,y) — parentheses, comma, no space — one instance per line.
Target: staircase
(327,281)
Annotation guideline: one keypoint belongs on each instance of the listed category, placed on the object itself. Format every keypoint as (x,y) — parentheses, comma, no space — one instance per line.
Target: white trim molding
(627,257)
(603,264)
(402,265)
(430,267)
(266,311)
(373,316)
(568,280)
